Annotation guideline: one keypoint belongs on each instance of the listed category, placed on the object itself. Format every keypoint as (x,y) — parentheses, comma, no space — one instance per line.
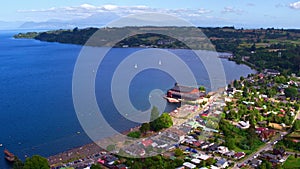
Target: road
(269,145)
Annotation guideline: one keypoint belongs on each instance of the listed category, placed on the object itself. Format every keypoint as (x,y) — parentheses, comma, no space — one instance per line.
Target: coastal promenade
(88,154)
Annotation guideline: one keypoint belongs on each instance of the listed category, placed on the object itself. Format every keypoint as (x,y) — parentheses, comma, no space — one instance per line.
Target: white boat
(135,66)
(1,145)
(159,62)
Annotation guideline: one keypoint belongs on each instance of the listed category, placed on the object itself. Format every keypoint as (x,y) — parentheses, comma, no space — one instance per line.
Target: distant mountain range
(96,20)
(9,25)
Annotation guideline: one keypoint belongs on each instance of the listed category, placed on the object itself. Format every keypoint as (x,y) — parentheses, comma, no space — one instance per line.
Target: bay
(36,108)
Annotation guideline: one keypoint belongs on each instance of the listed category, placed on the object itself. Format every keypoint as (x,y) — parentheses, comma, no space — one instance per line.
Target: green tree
(242,78)
(202,88)
(245,92)
(178,152)
(280,79)
(253,47)
(291,92)
(271,92)
(236,84)
(232,115)
(144,128)
(164,121)
(230,143)
(296,125)
(210,161)
(296,106)
(18,164)
(265,165)
(178,162)
(96,166)
(134,134)
(36,162)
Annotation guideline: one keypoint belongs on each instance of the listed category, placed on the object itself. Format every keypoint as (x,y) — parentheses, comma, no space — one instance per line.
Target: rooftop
(183,89)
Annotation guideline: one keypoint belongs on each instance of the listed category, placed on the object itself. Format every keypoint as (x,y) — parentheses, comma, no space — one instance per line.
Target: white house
(189,165)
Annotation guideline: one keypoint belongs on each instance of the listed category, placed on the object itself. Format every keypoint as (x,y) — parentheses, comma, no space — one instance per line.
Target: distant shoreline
(257,48)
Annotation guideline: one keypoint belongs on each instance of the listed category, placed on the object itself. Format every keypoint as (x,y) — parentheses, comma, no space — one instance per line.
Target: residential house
(269,156)
(271,72)
(279,151)
(222,163)
(230,90)
(222,149)
(255,162)
(259,130)
(230,154)
(147,143)
(267,134)
(214,167)
(213,148)
(239,155)
(196,161)
(189,165)
(203,157)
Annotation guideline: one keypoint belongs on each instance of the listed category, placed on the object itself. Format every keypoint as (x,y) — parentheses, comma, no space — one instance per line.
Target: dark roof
(183,89)
(221,162)
(269,156)
(213,147)
(278,151)
(231,89)
(255,162)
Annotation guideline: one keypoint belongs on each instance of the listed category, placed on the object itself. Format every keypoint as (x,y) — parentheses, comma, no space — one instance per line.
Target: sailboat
(159,62)
(135,66)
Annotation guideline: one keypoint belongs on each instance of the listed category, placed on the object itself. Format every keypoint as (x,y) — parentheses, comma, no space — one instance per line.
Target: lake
(37,113)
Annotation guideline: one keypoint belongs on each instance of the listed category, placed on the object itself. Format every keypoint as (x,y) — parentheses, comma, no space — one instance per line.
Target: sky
(239,13)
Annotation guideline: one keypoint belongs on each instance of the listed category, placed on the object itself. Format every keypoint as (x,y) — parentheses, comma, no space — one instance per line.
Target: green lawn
(292,163)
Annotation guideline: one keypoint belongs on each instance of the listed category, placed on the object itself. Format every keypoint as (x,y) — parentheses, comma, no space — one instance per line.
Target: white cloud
(295,5)
(230,9)
(87,6)
(86,10)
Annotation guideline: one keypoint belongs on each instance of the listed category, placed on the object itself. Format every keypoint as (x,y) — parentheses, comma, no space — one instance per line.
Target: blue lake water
(36,107)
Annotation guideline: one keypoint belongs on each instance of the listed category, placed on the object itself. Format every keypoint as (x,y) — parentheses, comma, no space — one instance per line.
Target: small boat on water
(9,156)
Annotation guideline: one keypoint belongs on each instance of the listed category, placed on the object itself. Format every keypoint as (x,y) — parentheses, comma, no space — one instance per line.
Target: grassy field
(292,163)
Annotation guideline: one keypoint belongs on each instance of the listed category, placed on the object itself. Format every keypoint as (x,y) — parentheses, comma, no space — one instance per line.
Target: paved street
(269,146)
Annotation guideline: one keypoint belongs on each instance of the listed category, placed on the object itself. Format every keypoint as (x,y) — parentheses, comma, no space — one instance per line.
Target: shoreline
(91,149)
(75,153)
